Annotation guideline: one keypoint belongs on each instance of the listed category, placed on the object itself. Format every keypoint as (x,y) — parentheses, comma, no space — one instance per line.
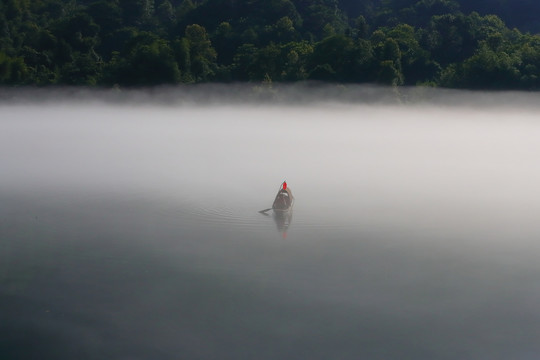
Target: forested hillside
(446,43)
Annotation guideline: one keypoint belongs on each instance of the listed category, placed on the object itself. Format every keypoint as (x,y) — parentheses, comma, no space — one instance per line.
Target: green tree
(267,63)
(202,54)
(296,55)
(530,62)
(320,13)
(184,9)
(226,42)
(391,70)
(338,53)
(13,71)
(284,30)
(182,55)
(84,69)
(363,61)
(388,73)
(79,32)
(361,27)
(147,60)
(165,13)
(107,14)
(449,38)
(137,12)
(243,66)
(415,62)
(5,67)
(489,69)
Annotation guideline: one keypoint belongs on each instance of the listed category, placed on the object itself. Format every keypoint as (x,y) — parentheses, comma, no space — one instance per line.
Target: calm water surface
(132,232)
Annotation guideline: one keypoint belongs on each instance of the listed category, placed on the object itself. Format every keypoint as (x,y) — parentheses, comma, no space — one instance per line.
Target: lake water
(130,229)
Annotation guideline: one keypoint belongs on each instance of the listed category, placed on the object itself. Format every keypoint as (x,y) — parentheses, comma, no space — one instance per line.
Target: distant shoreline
(299,94)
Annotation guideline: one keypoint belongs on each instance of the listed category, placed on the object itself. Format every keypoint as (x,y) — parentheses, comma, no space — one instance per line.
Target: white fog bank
(463,152)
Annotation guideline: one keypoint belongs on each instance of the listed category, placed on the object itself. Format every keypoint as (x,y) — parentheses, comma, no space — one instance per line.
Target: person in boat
(283,198)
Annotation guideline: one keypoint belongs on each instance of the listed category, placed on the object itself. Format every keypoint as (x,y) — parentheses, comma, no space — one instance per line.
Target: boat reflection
(283,221)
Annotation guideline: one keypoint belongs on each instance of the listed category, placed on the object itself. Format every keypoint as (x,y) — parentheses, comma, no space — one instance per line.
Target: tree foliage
(449,43)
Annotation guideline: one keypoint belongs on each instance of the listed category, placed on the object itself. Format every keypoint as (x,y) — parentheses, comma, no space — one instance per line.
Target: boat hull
(283,202)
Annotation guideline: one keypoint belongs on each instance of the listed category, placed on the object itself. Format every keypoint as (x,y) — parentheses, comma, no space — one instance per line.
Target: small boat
(284,199)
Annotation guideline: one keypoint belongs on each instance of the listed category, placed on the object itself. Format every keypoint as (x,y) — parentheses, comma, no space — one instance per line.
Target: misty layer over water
(132,230)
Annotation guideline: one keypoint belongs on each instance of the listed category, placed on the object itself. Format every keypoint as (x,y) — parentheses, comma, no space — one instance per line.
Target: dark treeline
(443,43)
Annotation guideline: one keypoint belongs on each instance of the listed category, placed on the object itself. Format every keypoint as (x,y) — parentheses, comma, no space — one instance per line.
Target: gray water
(132,231)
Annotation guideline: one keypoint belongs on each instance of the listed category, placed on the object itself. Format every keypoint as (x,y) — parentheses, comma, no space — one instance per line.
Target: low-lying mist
(296,94)
(130,228)
(458,149)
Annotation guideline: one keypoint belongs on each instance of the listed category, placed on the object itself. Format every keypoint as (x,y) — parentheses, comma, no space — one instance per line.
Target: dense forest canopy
(447,43)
